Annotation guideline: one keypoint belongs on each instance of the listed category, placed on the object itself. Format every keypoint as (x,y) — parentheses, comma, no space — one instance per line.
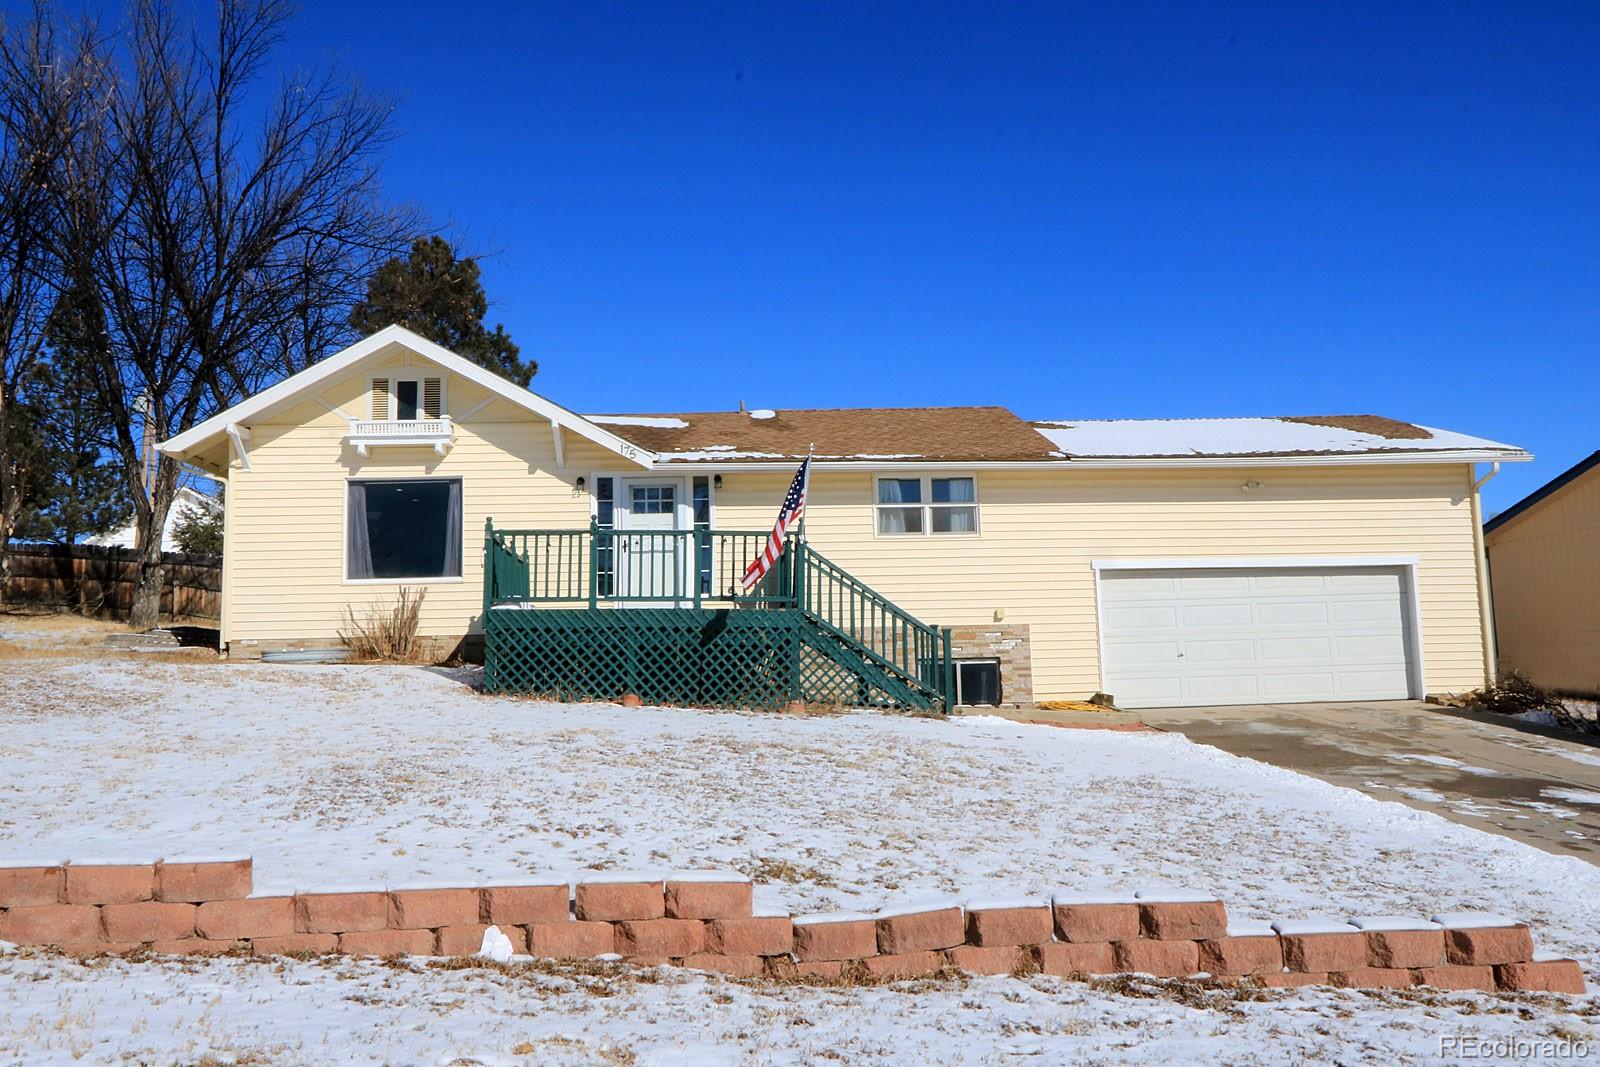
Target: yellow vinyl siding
(1545,569)
(1042,529)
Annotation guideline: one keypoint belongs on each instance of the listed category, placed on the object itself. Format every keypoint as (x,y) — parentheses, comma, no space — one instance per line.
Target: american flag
(794,506)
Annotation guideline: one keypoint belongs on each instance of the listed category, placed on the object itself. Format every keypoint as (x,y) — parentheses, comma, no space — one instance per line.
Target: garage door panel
(1141,617)
(1201,615)
(1296,650)
(1201,654)
(1368,610)
(1247,635)
(1291,612)
(1133,654)
(1214,585)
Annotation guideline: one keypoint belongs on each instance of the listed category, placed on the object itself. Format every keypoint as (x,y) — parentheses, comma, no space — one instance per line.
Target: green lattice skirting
(737,658)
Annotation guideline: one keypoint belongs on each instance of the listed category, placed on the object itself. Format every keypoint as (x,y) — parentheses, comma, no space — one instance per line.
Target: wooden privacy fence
(101,580)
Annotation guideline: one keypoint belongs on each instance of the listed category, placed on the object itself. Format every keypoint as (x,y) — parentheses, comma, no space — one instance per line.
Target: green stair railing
(891,649)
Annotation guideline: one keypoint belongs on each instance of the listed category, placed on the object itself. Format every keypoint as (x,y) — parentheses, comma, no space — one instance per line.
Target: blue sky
(1075,210)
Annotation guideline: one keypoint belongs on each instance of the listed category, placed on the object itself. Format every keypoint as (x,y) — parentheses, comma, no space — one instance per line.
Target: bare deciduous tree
(44,98)
(224,259)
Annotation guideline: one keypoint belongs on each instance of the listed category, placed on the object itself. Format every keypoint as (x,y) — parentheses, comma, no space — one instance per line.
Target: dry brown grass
(385,634)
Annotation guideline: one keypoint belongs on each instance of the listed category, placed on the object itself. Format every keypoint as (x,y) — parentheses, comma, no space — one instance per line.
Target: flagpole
(807,487)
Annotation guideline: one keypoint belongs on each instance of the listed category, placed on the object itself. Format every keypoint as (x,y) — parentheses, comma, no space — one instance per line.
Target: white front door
(650,562)
(1251,636)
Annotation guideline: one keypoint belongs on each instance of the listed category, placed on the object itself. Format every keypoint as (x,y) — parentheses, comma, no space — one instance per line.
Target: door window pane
(653,499)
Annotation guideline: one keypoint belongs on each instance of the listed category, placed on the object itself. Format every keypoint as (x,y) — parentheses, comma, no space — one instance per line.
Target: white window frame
(927,505)
(344,531)
(960,703)
(394,394)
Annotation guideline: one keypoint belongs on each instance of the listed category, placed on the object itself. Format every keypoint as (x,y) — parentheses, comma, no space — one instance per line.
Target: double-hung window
(927,505)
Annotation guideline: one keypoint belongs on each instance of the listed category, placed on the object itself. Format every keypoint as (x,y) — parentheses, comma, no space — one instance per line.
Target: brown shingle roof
(949,434)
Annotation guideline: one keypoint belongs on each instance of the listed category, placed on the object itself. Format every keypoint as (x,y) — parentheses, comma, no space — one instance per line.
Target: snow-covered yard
(336,776)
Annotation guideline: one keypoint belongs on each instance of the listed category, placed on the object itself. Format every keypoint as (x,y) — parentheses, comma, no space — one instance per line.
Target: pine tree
(81,489)
(441,297)
(198,531)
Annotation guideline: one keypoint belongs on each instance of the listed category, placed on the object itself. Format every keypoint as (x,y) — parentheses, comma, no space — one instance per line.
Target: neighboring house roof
(1293,435)
(1560,481)
(967,434)
(876,437)
(187,501)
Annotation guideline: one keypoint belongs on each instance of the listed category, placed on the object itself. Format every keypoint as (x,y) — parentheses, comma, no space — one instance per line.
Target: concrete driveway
(1472,768)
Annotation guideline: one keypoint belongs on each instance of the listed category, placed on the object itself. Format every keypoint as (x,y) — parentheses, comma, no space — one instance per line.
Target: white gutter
(664,461)
(1480,558)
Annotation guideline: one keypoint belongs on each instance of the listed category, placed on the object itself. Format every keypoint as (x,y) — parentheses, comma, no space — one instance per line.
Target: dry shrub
(1513,694)
(387,632)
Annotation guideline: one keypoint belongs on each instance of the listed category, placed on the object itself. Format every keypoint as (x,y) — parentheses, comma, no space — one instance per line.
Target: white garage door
(1172,638)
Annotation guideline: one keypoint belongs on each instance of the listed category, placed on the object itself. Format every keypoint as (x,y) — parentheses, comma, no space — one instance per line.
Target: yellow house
(1544,564)
(1164,562)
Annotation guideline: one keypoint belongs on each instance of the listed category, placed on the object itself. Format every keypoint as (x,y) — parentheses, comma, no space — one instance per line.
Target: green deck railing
(701,568)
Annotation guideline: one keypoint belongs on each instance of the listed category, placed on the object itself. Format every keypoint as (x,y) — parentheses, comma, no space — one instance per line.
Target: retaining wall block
(761,935)
(387,943)
(571,939)
(320,944)
(1488,945)
(27,887)
(733,966)
(818,939)
(340,913)
(993,959)
(1540,976)
(703,898)
(257,917)
(1374,978)
(1093,923)
(1067,958)
(1314,953)
(920,931)
(903,964)
(606,901)
(1183,920)
(467,940)
(997,926)
(522,904)
(1162,958)
(110,883)
(51,924)
(1456,977)
(148,921)
(195,882)
(660,937)
(428,909)
(1261,954)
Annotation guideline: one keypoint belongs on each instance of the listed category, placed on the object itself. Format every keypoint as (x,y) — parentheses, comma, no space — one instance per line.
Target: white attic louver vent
(431,389)
(380,398)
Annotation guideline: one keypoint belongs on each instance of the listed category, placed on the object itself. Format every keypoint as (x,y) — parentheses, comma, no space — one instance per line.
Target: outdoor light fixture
(716,480)
(582,483)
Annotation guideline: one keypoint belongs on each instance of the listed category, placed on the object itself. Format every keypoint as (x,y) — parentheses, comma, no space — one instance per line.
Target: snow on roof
(1301,435)
(659,422)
